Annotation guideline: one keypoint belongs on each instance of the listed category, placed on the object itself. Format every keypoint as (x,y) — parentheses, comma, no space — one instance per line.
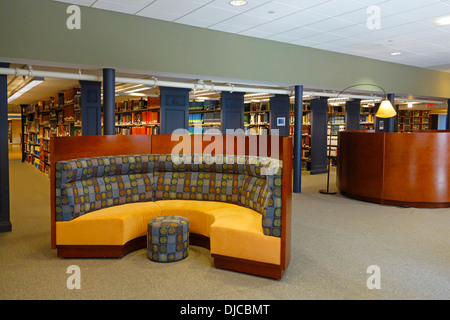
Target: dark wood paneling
(410,169)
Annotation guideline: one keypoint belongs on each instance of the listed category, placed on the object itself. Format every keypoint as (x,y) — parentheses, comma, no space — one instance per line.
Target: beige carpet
(335,240)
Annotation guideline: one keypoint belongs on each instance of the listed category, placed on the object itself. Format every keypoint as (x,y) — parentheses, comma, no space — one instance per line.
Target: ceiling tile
(119,6)
(331,24)
(272,10)
(303,18)
(302,4)
(280,38)
(274,27)
(227,28)
(170,7)
(399,7)
(301,33)
(338,7)
(86,3)
(225,4)
(255,33)
(207,14)
(244,21)
(429,12)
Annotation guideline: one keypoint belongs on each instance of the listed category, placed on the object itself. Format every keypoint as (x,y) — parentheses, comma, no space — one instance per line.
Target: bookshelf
(204,116)
(138,116)
(413,120)
(336,123)
(306,133)
(367,118)
(257,118)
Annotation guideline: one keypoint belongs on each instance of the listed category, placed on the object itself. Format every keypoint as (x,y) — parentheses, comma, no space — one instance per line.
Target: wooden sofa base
(90,251)
(222,262)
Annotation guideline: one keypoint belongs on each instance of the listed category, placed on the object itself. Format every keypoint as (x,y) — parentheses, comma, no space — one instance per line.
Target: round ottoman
(168,238)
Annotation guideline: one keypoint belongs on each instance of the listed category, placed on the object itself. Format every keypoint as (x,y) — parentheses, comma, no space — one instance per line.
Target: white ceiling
(405,26)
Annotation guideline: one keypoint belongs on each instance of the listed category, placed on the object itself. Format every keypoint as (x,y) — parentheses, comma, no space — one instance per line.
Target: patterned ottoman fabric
(168,238)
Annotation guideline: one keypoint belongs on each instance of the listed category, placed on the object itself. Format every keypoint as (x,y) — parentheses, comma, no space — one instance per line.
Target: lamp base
(327,192)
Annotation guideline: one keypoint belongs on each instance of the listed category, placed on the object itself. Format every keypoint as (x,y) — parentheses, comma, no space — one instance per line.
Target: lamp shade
(386,110)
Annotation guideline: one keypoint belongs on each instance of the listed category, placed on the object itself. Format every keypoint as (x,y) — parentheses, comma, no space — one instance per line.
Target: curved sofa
(234,203)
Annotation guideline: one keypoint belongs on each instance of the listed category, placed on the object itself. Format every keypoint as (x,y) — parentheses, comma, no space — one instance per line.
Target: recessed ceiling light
(238,3)
(444,21)
(395,53)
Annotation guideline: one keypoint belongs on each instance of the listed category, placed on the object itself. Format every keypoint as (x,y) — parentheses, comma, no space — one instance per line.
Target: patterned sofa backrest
(252,182)
(84,185)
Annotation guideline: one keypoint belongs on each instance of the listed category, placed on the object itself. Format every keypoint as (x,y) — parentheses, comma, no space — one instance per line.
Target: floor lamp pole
(327,191)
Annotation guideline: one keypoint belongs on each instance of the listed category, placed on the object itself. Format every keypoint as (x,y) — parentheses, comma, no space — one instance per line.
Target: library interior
(319,183)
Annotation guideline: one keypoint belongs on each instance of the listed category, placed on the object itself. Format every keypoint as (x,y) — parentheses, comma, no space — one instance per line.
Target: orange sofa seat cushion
(234,231)
(109,226)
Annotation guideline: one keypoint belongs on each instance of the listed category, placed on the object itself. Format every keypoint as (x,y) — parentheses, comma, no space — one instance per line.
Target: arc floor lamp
(385,110)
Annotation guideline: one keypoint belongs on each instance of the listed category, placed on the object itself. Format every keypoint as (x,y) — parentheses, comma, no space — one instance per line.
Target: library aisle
(336,240)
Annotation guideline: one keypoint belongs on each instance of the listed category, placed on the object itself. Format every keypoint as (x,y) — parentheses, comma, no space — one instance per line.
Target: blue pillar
(174,109)
(448,115)
(232,109)
(298,128)
(352,114)
(279,114)
(319,123)
(91,108)
(109,101)
(5,223)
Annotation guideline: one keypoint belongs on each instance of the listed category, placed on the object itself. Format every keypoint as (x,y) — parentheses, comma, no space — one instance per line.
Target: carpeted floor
(335,240)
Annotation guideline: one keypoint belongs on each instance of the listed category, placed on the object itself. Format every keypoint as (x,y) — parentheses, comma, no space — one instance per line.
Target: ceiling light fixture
(444,21)
(397,53)
(27,87)
(238,3)
(138,89)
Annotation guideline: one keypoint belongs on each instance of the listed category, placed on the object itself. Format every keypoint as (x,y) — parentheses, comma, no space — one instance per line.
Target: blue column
(91,108)
(279,114)
(232,105)
(174,109)
(109,101)
(319,122)
(352,114)
(298,128)
(448,115)
(5,223)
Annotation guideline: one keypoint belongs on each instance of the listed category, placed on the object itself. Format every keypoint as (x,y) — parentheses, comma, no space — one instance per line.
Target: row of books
(337,119)
(137,130)
(204,105)
(366,118)
(256,106)
(414,113)
(131,105)
(145,117)
(205,130)
(415,120)
(256,118)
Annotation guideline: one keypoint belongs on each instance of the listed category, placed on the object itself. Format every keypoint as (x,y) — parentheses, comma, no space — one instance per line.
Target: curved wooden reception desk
(402,169)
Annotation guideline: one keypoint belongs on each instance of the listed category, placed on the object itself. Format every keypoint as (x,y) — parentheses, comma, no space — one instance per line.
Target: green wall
(35,30)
